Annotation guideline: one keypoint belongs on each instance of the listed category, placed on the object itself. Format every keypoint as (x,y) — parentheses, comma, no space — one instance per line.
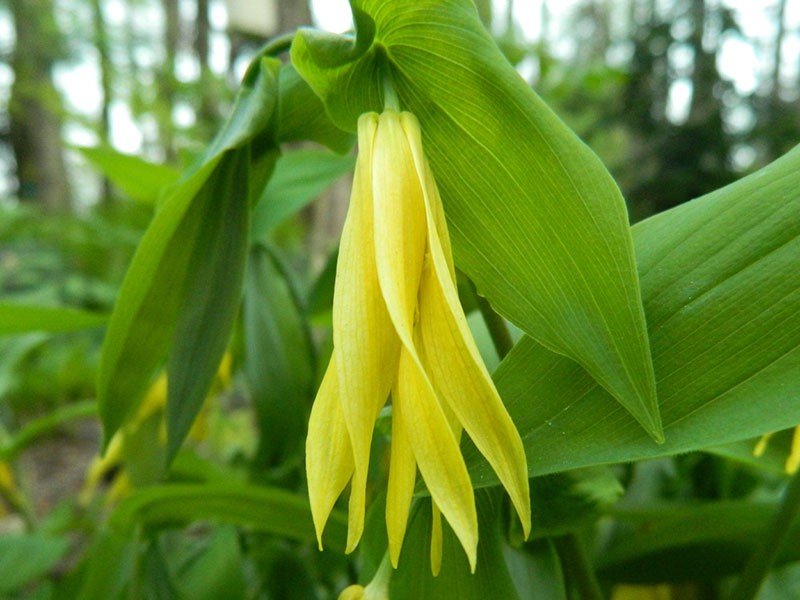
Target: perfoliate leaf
(721,285)
(536,220)
(302,117)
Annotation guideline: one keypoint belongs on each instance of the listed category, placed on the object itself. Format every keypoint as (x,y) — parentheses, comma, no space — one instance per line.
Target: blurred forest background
(678,97)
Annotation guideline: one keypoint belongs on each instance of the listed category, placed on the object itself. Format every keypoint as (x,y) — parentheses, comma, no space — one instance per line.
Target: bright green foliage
(721,289)
(684,326)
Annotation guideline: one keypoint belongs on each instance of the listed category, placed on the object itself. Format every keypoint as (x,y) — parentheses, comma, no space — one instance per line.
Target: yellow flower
(398,328)
(792,460)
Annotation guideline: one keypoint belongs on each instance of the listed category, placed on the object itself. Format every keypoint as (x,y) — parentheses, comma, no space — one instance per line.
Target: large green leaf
(721,286)
(187,269)
(24,318)
(212,295)
(536,221)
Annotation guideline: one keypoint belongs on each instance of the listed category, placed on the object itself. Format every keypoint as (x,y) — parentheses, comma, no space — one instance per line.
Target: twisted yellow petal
(454,362)
(329,457)
(400,488)
(437,453)
(364,339)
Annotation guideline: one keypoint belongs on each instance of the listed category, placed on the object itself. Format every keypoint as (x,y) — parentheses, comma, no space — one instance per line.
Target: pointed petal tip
(352,542)
(472,557)
(394,556)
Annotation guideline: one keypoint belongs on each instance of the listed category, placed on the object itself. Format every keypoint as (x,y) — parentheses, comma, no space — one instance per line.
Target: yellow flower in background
(398,328)
(792,460)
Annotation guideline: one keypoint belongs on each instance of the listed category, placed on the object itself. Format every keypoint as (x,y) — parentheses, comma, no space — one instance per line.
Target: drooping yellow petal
(437,452)
(793,461)
(436,539)
(430,192)
(329,458)
(453,361)
(400,489)
(400,224)
(761,445)
(364,339)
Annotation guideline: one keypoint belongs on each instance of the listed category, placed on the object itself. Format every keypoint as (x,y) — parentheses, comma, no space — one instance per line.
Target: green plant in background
(623,348)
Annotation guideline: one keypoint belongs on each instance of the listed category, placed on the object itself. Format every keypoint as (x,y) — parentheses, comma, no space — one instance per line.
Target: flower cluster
(399,330)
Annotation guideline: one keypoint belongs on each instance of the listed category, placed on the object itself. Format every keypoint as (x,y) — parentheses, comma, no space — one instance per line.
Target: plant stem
(576,565)
(498,329)
(758,566)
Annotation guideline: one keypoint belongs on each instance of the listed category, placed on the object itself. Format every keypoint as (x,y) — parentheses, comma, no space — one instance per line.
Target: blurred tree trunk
(293,14)
(206,108)
(167,82)
(106,74)
(35,107)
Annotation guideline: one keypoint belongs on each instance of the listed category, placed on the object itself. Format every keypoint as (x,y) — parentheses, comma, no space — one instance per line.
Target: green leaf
(23,318)
(187,268)
(301,115)
(135,177)
(721,285)
(212,295)
(690,542)
(270,510)
(279,358)
(24,558)
(299,177)
(536,220)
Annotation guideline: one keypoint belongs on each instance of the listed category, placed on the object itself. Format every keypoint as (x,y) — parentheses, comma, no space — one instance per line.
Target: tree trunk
(166,80)
(106,73)
(35,107)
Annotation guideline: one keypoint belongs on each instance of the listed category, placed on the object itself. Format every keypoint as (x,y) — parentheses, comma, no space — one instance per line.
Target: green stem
(497,326)
(576,565)
(390,99)
(758,566)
